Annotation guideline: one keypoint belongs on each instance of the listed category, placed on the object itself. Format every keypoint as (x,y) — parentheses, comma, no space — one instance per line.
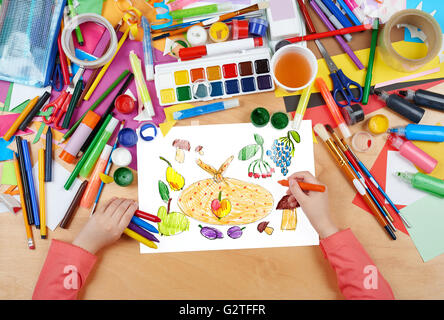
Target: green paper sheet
(89,6)
(8,173)
(426,217)
(8,95)
(22,106)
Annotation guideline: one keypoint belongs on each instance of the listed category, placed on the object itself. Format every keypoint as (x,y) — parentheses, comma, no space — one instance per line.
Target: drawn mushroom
(263,226)
(180,146)
(199,150)
(289,218)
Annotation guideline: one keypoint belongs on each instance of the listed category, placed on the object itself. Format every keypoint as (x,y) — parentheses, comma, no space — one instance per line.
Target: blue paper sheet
(5,153)
(429,7)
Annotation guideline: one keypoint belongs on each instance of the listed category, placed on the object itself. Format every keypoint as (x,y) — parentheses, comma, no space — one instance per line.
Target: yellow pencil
(20,119)
(138,237)
(22,201)
(42,198)
(105,67)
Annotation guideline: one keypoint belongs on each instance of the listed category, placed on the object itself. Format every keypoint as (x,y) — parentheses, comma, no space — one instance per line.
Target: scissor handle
(59,118)
(343,86)
(56,105)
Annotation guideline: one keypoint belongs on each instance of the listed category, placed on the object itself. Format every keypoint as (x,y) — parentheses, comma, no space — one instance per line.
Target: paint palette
(216,77)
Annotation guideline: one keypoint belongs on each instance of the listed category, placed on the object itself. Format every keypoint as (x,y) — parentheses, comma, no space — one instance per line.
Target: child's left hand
(106,225)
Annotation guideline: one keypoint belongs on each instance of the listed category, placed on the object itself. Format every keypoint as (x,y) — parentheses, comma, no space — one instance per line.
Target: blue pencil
(143,224)
(32,193)
(350,14)
(338,14)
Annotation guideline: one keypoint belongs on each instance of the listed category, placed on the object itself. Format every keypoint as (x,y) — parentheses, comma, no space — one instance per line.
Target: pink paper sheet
(6,120)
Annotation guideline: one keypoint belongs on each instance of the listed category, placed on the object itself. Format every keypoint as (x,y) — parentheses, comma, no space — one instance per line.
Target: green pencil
(371,59)
(85,156)
(95,105)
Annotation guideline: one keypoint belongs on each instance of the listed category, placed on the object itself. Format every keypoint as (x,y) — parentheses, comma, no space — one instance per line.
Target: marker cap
(91,119)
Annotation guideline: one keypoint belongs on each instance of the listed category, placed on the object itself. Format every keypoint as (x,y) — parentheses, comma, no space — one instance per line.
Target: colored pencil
(331,33)
(42,197)
(23,173)
(73,206)
(32,192)
(13,128)
(29,236)
(48,155)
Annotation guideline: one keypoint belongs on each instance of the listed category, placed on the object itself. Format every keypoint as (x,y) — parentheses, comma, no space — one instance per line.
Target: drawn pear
(175,180)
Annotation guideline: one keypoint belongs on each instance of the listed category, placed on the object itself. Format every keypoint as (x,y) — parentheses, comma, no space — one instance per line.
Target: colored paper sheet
(169,122)
(89,6)
(4,87)
(398,190)
(219,143)
(435,7)
(435,150)
(57,198)
(5,152)
(21,93)
(6,120)
(8,174)
(427,226)
(381,72)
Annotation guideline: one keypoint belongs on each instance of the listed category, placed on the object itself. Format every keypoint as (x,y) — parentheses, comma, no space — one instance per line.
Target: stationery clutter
(225,53)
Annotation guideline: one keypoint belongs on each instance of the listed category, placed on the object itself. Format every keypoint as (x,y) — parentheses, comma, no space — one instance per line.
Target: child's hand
(106,225)
(314,204)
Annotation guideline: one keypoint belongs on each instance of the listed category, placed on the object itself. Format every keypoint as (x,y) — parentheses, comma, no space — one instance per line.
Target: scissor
(57,76)
(341,83)
(60,104)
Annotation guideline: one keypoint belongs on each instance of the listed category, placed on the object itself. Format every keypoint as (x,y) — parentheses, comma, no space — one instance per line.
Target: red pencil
(147,216)
(332,33)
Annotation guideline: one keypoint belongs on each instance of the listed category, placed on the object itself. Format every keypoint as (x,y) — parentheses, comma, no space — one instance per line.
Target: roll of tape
(426,23)
(68,46)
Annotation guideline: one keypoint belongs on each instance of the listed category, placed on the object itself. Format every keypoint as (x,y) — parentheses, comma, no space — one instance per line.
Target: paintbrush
(223,17)
(352,176)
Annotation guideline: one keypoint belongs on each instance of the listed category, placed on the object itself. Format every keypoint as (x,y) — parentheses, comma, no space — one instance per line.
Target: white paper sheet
(21,93)
(219,143)
(398,190)
(57,198)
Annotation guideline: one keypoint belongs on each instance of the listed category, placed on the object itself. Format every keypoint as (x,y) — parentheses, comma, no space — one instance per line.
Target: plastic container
(424,182)
(125,104)
(239,29)
(258,27)
(260,117)
(127,137)
(121,157)
(411,152)
(279,120)
(123,177)
(79,137)
(420,132)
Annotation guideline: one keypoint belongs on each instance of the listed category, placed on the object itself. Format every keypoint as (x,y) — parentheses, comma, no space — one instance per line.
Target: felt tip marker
(209,108)
(213,49)
(355,9)
(348,11)
(333,19)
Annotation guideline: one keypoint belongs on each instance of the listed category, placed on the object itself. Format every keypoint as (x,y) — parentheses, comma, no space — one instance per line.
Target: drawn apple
(220,207)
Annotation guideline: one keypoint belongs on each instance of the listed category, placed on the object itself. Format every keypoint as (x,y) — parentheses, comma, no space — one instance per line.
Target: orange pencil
(304,186)
(22,200)
(20,119)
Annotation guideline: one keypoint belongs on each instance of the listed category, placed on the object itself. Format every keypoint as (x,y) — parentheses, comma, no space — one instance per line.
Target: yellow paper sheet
(169,122)
(381,71)
(436,150)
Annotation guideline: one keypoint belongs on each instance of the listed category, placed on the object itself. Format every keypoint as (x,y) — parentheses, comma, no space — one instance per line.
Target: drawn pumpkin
(245,202)
(174,178)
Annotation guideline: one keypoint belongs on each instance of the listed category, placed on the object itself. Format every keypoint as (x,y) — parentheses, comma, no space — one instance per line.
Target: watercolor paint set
(217,77)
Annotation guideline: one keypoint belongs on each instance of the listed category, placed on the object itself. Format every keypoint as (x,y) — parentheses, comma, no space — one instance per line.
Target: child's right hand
(314,204)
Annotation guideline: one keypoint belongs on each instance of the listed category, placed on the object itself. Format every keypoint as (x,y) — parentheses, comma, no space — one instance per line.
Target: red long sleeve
(64,272)
(358,277)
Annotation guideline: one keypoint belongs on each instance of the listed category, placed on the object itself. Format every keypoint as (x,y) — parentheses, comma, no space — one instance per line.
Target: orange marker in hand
(304,186)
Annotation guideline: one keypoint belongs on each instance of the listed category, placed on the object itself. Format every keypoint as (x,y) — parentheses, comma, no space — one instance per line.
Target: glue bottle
(424,182)
(74,144)
(411,152)
(401,106)
(420,132)
(425,98)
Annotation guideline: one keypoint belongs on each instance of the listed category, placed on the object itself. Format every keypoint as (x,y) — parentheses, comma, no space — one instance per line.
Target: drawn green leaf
(164,191)
(248,152)
(259,140)
(296,137)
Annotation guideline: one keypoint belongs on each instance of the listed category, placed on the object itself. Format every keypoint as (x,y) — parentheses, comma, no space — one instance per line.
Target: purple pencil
(340,40)
(142,232)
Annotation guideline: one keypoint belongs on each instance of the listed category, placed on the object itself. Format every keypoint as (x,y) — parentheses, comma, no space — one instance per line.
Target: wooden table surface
(122,272)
